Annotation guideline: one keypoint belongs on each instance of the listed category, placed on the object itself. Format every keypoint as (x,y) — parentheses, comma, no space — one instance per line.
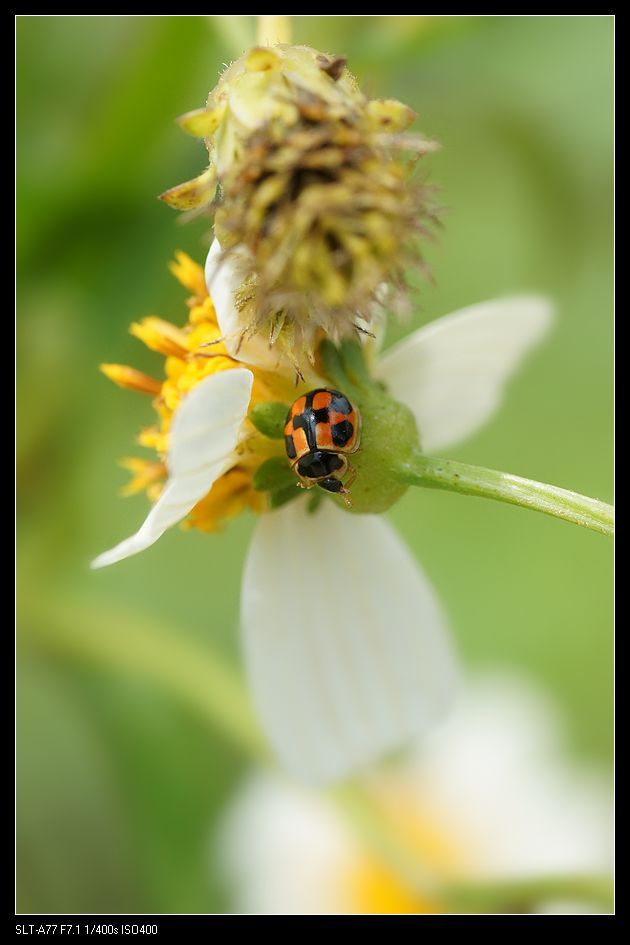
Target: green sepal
(273,475)
(269,419)
(389,433)
(334,368)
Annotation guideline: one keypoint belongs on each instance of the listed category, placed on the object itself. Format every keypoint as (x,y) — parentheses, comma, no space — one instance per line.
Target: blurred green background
(121,771)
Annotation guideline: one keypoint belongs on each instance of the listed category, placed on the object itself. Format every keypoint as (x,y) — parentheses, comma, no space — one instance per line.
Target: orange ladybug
(321,428)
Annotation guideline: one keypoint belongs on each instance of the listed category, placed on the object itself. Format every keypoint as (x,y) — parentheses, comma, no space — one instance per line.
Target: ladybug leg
(352,475)
(344,492)
(345,495)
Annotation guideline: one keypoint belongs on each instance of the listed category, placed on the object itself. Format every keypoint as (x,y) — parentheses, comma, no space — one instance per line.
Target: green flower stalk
(391,458)
(311,188)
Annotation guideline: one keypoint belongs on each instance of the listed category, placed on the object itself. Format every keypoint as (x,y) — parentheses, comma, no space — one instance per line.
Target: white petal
(503,798)
(203,437)
(284,850)
(498,774)
(224,277)
(451,373)
(346,646)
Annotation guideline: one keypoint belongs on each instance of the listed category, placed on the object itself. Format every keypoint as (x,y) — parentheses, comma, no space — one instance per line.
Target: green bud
(388,439)
(389,435)
(269,419)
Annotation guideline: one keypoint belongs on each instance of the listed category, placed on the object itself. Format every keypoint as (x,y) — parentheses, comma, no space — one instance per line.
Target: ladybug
(321,428)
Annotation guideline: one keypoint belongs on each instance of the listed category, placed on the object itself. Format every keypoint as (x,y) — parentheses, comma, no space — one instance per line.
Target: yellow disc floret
(193,351)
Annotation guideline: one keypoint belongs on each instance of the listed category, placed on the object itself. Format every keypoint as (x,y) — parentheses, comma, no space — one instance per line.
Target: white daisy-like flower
(346,647)
(488,797)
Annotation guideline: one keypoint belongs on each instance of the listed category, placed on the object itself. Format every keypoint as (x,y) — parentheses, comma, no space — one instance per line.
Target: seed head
(312,184)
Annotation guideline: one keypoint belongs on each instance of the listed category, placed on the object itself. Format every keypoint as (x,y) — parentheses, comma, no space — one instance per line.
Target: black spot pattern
(305,421)
(339,402)
(321,415)
(341,432)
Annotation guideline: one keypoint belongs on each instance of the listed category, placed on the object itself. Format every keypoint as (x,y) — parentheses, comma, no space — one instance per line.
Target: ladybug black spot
(321,415)
(340,403)
(304,421)
(341,432)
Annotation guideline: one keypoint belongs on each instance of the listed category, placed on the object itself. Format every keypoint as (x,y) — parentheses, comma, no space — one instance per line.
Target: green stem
(374,832)
(495,896)
(525,895)
(235,31)
(273,29)
(504,487)
(106,636)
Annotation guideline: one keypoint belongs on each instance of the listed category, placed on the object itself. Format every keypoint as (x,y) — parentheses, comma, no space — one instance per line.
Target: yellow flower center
(192,352)
(372,886)
(376,889)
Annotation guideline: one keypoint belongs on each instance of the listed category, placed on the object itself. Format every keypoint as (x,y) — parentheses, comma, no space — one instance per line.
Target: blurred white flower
(346,647)
(489,796)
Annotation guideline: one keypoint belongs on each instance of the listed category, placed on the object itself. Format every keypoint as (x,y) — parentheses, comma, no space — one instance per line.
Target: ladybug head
(331,485)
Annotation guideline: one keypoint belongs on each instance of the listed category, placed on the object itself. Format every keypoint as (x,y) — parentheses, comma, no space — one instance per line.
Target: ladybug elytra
(321,428)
